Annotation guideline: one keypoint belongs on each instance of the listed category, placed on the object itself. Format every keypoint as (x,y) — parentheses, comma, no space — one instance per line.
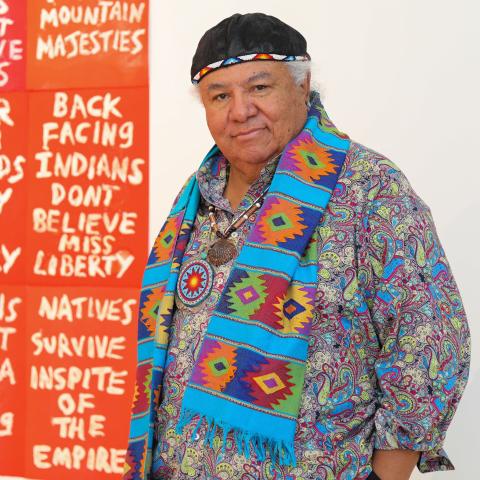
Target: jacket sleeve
(417,313)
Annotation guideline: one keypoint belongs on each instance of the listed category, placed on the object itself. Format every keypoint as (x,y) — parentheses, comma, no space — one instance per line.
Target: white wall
(401,77)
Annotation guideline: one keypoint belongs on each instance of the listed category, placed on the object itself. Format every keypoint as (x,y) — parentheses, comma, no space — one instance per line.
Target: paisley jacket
(389,347)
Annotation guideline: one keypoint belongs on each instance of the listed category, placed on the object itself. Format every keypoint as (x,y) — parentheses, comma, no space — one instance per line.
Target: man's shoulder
(186,185)
(370,162)
(370,176)
(370,168)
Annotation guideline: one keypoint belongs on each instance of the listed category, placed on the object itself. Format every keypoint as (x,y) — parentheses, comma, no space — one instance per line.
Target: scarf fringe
(280,452)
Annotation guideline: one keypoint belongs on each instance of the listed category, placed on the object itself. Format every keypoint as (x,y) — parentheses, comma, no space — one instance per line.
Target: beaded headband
(247,58)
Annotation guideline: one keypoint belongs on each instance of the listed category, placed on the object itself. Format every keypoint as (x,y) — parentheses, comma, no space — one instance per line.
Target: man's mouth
(251,132)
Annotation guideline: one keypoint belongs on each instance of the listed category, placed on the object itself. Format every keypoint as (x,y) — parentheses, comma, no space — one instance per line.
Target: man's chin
(255,158)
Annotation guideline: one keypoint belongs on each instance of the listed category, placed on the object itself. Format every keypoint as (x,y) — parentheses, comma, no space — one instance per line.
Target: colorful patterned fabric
(246,347)
(247,58)
(370,381)
(195,282)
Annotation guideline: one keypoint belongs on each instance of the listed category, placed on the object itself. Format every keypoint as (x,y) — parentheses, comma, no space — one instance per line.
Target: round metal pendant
(195,282)
(221,252)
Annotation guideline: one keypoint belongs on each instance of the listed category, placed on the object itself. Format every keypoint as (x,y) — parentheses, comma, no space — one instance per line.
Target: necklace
(223,250)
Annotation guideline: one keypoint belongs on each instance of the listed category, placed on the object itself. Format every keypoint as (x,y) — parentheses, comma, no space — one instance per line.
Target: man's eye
(220,96)
(259,88)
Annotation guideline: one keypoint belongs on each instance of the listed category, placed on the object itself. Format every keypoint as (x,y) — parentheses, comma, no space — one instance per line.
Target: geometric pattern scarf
(249,373)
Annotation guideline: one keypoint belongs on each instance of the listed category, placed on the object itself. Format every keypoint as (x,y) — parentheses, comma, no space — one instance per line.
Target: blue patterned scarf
(248,377)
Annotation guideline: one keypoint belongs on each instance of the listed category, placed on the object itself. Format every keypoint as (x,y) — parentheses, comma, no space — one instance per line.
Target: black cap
(253,36)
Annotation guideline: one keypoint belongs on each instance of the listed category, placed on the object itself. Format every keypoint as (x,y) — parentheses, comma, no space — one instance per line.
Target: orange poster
(87,43)
(13,187)
(73,232)
(87,213)
(79,355)
(12,379)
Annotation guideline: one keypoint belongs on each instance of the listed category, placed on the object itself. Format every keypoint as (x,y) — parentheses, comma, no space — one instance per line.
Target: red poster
(87,43)
(73,232)
(12,44)
(12,379)
(13,188)
(80,351)
(88,210)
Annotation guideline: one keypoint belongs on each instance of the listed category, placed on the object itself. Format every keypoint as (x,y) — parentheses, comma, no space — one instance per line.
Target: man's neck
(239,181)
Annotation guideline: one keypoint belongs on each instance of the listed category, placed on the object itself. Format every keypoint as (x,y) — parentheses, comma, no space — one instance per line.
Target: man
(298,316)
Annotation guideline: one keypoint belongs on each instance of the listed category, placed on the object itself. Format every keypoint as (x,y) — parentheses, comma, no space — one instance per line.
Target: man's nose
(242,107)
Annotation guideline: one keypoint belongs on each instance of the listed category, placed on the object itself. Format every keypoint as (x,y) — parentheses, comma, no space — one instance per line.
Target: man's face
(253,109)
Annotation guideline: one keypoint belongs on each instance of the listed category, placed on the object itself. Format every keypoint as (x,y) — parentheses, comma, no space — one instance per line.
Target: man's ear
(305,86)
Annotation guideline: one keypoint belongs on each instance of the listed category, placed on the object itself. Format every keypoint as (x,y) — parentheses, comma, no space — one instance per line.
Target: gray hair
(299,70)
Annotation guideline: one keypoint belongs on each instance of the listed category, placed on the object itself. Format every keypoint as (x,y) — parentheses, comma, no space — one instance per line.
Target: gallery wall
(401,77)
